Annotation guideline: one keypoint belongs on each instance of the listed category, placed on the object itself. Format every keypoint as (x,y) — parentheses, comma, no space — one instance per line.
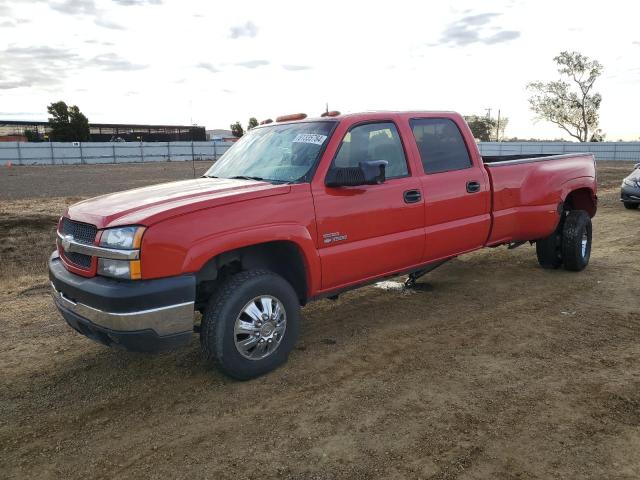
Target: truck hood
(149,205)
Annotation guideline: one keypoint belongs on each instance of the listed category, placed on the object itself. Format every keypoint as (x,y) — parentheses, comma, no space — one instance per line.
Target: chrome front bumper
(140,315)
(167,320)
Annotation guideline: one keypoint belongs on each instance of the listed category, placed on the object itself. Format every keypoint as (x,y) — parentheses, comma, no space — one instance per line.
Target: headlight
(126,269)
(123,238)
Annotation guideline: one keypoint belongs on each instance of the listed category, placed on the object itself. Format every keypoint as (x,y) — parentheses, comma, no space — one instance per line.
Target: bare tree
(571,106)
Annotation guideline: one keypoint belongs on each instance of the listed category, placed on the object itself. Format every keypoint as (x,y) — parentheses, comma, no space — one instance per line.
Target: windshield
(276,153)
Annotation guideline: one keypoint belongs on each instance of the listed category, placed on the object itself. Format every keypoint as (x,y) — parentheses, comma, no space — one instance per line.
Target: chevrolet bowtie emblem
(66,242)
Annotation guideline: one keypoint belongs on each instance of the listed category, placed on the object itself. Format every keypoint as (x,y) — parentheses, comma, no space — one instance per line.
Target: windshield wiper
(246,177)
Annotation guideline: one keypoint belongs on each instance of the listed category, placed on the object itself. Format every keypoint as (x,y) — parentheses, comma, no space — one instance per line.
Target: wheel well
(281,257)
(581,199)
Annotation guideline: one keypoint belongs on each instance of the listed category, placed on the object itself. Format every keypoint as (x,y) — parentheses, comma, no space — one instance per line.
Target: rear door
(369,230)
(456,189)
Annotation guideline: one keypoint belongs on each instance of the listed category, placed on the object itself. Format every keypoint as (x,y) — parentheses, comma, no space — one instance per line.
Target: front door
(370,230)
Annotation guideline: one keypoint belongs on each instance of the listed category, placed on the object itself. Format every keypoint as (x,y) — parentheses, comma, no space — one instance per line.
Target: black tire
(549,251)
(630,205)
(577,227)
(217,337)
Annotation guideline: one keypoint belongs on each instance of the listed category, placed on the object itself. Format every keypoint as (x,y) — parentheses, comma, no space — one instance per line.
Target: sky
(212,63)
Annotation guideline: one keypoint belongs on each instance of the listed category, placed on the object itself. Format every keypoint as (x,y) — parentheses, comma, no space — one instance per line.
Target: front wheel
(250,324)
(576,240)
(630,205)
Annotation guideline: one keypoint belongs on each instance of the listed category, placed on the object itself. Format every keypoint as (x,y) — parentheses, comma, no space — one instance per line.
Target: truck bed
(489,159)
(528,189)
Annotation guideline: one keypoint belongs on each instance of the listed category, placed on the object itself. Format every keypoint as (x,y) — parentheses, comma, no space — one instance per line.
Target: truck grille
(79,259)
(81,232)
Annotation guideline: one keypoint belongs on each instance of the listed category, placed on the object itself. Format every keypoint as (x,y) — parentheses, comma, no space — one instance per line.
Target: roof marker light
(294,116)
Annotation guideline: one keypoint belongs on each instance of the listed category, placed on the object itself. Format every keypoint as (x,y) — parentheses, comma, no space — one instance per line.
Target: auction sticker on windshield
(310,138)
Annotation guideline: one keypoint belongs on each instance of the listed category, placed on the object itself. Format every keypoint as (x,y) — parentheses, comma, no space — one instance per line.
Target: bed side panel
(526,196)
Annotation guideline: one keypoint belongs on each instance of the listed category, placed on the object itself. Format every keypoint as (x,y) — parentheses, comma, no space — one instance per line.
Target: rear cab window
(440,144)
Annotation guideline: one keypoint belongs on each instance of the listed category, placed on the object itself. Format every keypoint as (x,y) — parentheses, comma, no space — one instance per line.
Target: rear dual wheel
(576,240)
(549,251)
(571,246)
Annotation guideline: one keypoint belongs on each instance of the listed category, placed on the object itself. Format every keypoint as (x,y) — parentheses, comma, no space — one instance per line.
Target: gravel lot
(494,369)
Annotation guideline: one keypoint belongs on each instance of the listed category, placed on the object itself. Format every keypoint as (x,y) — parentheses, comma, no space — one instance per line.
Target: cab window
(440,144)
(373,141)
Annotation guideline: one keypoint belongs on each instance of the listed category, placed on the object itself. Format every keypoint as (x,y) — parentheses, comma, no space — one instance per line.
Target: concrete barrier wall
(629,151)
(69,153)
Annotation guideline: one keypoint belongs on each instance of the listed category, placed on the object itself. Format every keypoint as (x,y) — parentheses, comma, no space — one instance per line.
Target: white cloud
(138,3)
(208,66)
(296,68)
(103,22)
(473,29)
(75,7)
(248,29)
(252,63)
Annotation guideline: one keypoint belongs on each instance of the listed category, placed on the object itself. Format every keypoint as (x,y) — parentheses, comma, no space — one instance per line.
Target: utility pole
(488,113)
(498,128)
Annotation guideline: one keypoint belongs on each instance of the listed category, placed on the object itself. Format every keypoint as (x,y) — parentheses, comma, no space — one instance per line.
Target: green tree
(79,124)
(571,105)
(253,122)
(237,130)
(487,129)
(481,127)
(67,124)
(32,135)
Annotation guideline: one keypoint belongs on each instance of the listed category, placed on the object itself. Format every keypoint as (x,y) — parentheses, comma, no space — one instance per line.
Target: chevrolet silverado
(301,209)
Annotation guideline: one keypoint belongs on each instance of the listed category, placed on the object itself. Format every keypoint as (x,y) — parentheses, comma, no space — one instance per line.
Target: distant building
(13,138)
(221,135)
(106,132)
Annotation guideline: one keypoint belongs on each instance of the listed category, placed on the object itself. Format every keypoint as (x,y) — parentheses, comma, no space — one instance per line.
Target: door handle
(412,196)
(473,186)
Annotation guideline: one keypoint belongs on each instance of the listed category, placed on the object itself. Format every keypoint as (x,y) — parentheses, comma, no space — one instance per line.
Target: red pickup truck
(299,210)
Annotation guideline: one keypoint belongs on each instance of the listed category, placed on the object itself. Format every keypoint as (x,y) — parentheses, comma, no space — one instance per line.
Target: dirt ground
(495,369)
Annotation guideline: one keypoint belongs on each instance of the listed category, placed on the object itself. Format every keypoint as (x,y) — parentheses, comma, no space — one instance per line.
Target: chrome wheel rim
(585,242)
(259,328)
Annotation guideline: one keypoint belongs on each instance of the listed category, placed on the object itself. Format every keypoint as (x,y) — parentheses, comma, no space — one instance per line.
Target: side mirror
(367,173)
